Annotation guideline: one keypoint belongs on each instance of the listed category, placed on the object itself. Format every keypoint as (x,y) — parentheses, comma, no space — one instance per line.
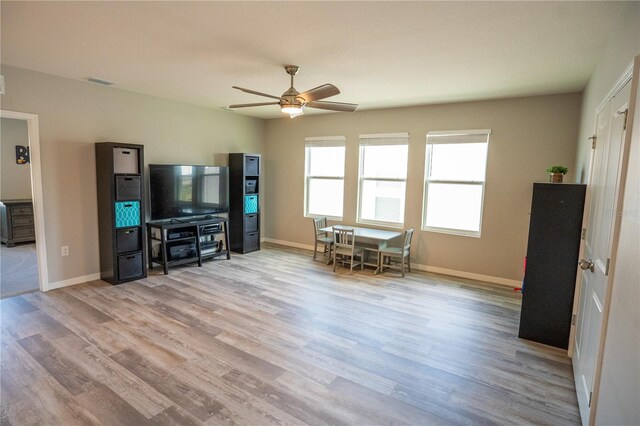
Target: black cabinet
(244,202)
(119,172)
(552,260)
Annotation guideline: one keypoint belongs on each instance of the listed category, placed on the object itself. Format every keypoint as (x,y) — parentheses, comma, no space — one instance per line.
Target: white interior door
(604,187)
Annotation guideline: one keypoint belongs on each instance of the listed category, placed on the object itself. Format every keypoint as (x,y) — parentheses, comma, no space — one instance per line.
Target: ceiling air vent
(100,81)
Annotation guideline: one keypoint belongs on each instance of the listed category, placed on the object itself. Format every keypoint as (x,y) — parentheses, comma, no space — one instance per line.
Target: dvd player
(214,228)
(178,234)
(208,244)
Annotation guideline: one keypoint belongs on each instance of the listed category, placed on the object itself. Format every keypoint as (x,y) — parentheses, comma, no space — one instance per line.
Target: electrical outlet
(64,250)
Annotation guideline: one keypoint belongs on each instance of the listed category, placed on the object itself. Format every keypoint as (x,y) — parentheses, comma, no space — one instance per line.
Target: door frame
(632,72)
(619,84)
(36,190)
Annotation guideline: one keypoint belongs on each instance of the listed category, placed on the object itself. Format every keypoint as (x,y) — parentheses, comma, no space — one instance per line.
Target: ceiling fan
(292,102)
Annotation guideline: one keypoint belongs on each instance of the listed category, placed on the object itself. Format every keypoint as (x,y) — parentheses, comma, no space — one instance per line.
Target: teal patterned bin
(250,204)
(127,214)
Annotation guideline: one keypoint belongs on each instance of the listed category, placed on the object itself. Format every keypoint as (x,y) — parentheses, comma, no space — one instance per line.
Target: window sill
(395,225)
(457,232)
(331,218)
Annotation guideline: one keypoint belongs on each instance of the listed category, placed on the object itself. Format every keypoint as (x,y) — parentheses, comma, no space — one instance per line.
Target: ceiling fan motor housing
(291,98)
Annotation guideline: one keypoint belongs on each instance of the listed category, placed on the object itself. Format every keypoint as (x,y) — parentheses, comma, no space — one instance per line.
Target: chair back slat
(318,224)
(408,234)
(344,237)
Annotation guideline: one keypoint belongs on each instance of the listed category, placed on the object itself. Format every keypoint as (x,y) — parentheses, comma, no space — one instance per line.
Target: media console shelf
(184,241)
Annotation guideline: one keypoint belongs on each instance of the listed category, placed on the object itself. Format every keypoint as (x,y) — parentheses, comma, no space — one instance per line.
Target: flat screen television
(178,191)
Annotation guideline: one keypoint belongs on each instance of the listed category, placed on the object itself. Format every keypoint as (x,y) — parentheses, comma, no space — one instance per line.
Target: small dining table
(373,240)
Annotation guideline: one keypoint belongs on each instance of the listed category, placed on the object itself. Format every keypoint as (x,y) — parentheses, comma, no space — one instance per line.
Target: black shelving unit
(244,202)
(119,172)
(182,241)
(552,261)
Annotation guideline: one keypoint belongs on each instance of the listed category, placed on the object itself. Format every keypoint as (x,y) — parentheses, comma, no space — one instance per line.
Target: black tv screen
(184,191)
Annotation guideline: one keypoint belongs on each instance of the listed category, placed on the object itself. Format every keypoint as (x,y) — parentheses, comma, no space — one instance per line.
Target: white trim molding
(426,268)
(325,138)
(74,281)
(469,275)
(36,191)
(288,244)
(458,132)
(618,85)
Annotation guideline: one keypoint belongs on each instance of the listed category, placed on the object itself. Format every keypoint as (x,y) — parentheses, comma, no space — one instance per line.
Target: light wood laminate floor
(273,337)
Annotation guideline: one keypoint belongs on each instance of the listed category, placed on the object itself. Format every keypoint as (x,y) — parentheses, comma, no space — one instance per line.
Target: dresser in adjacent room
(17,222)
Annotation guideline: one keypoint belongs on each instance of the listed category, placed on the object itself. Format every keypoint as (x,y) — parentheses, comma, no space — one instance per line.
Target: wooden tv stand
(185,241)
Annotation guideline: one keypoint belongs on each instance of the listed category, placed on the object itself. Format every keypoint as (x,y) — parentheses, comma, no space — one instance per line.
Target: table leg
(381,245)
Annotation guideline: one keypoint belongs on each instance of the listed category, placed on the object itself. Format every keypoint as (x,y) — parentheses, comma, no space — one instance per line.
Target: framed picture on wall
(22,154)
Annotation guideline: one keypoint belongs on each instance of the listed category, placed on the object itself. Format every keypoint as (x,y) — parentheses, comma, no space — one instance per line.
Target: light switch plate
(1,84)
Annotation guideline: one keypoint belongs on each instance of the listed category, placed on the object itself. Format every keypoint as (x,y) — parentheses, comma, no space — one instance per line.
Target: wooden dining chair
(344,245)
(321,237)
(398,254)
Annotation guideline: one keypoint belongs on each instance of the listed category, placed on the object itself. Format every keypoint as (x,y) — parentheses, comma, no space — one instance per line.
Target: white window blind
(324,176)
(382,178)
(455,171)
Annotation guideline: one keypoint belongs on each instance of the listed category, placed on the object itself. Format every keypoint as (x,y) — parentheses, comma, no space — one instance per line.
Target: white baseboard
(72,281)
(426,268)
(469,275)
(288,244)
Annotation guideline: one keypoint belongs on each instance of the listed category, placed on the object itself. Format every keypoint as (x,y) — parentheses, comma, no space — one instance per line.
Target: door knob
(586,264)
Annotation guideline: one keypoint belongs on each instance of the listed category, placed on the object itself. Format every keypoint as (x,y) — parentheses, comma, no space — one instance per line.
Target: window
(383,178)
(324,176)
(455,170)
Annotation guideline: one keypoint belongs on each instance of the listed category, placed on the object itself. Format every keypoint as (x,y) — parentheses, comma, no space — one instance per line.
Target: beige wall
(73,115)
(15,179)
(623,45)
(529,134)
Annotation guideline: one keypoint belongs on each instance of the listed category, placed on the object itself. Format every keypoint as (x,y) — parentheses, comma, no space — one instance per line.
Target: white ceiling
(380,54)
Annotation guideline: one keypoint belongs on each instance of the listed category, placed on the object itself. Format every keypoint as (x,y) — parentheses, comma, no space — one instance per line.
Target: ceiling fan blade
(320,92)
(333,106)
(253,92)
(253,105)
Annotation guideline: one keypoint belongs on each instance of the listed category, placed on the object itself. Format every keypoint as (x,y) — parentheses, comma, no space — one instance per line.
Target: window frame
(460,134)
(319,142)
(382,139)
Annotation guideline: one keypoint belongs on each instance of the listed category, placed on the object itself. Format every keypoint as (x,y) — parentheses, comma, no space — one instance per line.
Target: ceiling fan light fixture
(293,110)
(293,102)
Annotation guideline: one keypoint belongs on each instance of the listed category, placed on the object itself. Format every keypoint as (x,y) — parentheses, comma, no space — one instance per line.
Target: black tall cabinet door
(552,259)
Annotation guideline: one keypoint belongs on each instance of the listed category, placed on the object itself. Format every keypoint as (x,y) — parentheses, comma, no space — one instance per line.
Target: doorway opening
(23,266)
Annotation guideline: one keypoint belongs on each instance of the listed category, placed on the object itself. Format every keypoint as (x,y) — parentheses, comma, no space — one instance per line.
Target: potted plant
(556,173)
